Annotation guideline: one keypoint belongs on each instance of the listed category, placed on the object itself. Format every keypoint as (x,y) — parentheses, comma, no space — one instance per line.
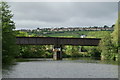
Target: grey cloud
(33,14)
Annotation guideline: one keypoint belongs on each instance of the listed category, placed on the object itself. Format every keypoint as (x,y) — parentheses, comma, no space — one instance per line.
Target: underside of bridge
(58,42)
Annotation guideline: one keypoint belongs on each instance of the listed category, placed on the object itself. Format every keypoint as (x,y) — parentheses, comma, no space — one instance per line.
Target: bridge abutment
(57,52)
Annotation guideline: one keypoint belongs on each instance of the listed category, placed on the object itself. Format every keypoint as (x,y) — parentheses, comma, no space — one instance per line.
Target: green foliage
(75,51)
(98,34)
(24,34)
(72,51)
(33,52)
(9,49)
(93,51)
(108,47)
(115,34)
(21,34)
(90,34)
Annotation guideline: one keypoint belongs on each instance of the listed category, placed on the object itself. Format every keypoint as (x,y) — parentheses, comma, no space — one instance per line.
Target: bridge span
(58,42)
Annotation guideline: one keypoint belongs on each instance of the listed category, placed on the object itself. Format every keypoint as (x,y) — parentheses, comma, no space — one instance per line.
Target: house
(83,36)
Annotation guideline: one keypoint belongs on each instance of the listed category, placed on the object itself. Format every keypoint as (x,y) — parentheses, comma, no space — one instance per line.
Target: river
(66,68)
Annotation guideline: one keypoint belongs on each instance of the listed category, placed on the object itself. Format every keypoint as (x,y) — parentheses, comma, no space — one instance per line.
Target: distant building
(71,29)
(83,36)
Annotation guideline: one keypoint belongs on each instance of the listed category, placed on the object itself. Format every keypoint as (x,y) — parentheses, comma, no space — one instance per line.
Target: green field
(90,34)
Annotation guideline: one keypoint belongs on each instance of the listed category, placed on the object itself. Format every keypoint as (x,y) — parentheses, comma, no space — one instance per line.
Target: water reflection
(93,60)
(80,60)
(66,68)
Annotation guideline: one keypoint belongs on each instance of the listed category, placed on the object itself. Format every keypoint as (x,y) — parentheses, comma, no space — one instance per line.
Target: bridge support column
(57,52)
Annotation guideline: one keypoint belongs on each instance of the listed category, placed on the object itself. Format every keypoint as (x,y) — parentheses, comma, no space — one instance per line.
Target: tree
(8,35)
(106,46)
(109,44)
(116,37)
(113,25)
(115,34)
(72,51)
(105,26)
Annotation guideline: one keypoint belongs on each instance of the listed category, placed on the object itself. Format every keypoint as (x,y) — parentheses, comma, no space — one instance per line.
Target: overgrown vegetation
(109,45)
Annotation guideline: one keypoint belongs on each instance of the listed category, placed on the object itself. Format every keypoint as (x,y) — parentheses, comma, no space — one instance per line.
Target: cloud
(56,14)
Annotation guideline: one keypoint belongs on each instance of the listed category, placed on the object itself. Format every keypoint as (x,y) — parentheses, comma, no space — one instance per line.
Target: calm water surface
(66,68)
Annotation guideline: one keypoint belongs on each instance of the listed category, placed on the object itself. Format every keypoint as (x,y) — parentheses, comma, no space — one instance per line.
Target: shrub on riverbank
(109,45)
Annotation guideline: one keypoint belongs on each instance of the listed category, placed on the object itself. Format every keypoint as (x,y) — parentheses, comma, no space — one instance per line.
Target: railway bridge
(58,42)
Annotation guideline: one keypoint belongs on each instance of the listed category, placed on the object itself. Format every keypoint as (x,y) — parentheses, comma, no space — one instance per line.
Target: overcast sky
(31,15)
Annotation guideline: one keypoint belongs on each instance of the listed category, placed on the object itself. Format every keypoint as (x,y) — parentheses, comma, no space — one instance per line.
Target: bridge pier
(57,52)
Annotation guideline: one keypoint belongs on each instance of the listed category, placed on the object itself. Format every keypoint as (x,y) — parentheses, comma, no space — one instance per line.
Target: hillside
(89,34)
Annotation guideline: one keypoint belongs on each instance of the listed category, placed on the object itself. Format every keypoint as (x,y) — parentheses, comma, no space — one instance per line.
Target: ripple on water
(61,69)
